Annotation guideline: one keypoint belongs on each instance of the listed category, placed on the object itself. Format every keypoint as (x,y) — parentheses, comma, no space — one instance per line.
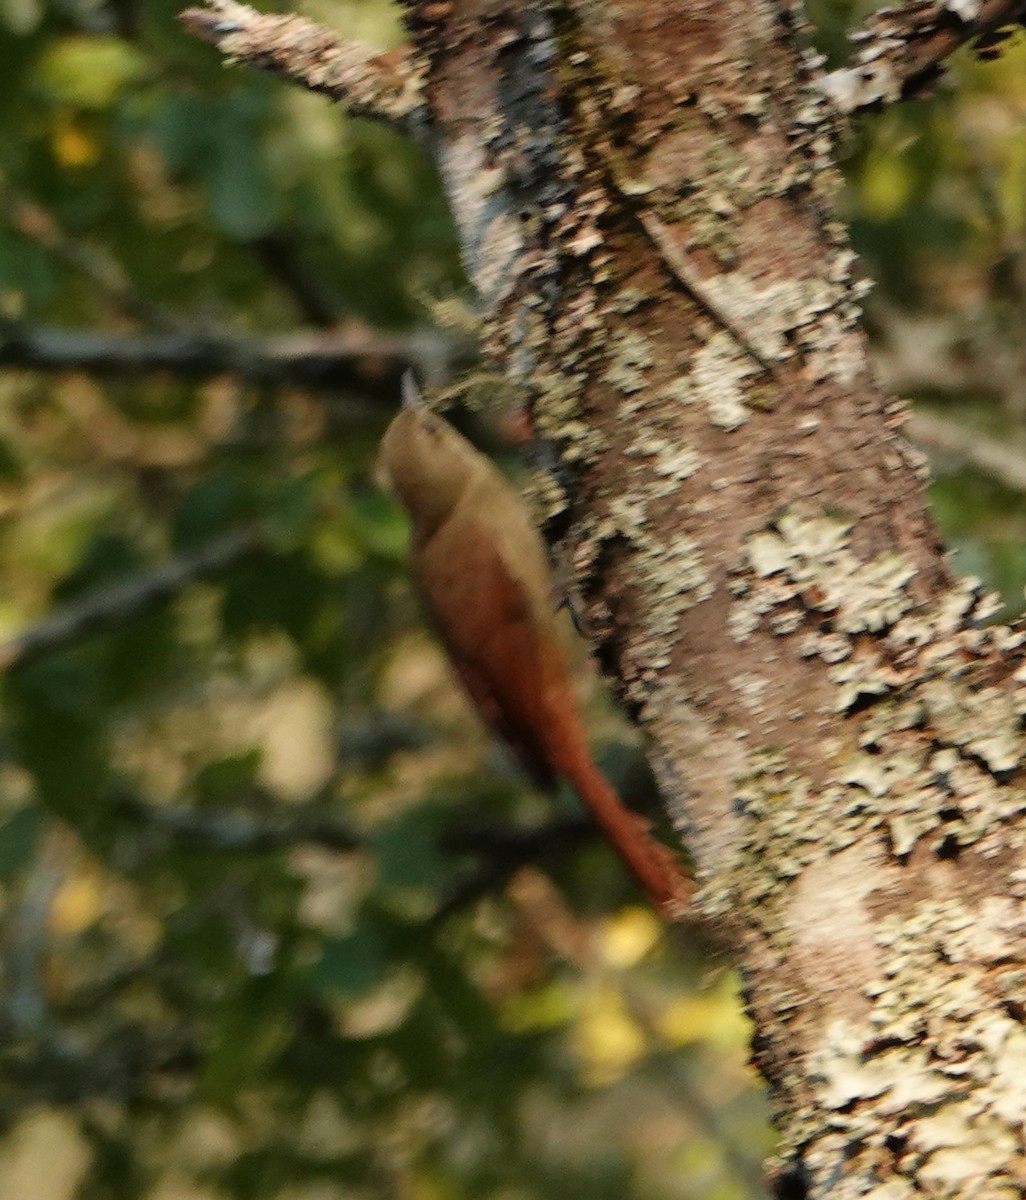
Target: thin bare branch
(34,222)
(229,829)
(115,606)
(25,1008)
(502,850)
(280,255)
(348,357)
(127,1065)
(386,86)
(901,48)
(1001,461)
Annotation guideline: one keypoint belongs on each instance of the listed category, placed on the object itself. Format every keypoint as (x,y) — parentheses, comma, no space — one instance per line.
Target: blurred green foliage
(937,211)
(228,824)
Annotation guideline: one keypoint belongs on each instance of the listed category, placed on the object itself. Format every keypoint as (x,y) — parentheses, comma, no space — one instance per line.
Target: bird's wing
(485,617)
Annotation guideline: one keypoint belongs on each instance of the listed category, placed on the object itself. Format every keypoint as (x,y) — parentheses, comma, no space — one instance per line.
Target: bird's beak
(411,393)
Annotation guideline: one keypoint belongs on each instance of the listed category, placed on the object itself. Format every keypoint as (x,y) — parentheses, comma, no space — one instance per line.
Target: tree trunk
(644,193)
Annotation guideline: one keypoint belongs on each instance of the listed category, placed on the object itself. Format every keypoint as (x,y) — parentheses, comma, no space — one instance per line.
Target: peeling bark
(644,196)
(901,48)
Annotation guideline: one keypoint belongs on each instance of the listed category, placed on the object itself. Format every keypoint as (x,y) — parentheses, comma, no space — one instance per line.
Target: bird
(483,573)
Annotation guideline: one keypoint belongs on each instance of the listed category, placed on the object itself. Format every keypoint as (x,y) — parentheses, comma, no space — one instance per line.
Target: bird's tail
(652,864)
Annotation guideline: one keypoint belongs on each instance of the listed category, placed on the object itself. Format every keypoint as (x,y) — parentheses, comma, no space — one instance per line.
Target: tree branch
(1001,461)
(500,849)
(503,850)
(280,256)
(385,86)
(901,48)
(115,606)
(230,830)
(124,1066)
(337,358)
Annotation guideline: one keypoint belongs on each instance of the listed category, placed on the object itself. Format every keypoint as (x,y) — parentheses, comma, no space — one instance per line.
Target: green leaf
(407,850)
(18,838)
(26,272)
(227,777)
(350,966)
(243,201)
(290,505)
(212,506)
(180,129)
(377,524)
(90,71)
(10,463)
(56,730)
(250,1033)
(281,591)
(108,557)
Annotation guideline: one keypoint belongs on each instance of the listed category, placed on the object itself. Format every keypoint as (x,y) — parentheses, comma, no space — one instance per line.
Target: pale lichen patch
(811,554)
(718,372)
(766,314)
(833,348)
(678,579)
(629,299)
(546,496)
(956,1110)
(630,356)
(491,237)
(678,390)
(794,541)
(893,1189)
(777,840)
(750,689)
(846,1073)
(675,572)
(744,620)
(926,725)
(986,723)
(629,515)
(965,10)
(559,399)
(670,462)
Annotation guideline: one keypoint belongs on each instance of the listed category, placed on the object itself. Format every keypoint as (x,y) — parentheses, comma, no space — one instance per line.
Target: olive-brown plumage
(484,575)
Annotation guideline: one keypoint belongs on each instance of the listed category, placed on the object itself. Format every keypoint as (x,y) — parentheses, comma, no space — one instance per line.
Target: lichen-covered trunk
(644,194)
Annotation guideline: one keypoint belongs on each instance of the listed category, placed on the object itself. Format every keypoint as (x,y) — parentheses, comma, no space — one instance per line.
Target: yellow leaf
(45,1156)
(700,1158)
(714,1017)
(77,903)
(886,185)
(607,1039)
(546,1007)
(626,938)
(72,146)
(20,16)
(1011,183)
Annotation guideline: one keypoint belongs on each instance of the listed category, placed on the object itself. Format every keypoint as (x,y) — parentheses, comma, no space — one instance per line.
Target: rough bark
(644,196)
